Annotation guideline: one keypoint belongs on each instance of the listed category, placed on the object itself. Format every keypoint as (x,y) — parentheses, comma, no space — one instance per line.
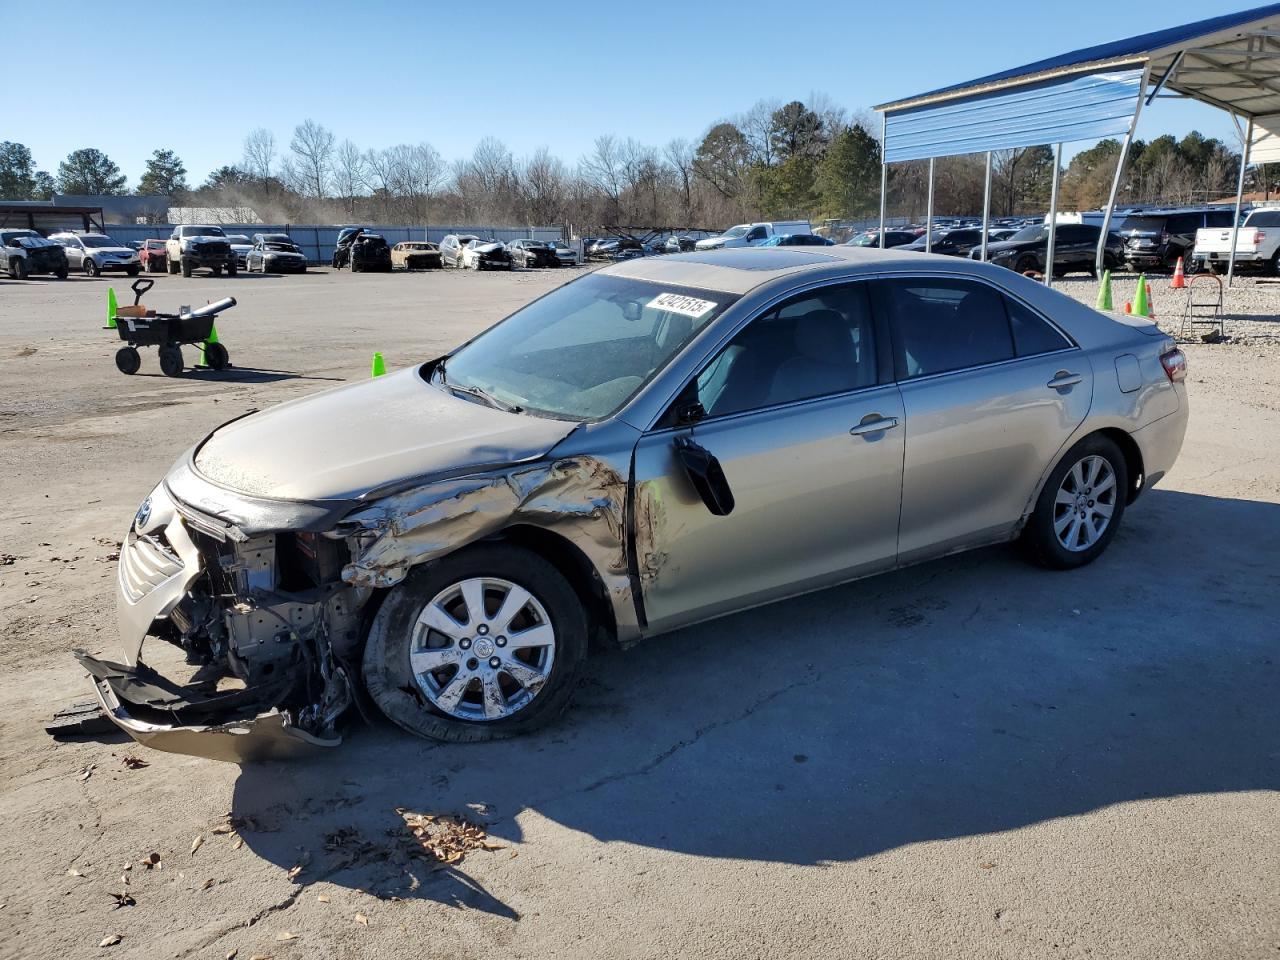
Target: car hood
(128,250)
(485,247)
(346,442)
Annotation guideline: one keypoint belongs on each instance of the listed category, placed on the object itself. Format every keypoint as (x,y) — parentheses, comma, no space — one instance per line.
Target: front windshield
(204,232)
(1033,232)
(98,242)
(738,231)
(582,350)
(281,245)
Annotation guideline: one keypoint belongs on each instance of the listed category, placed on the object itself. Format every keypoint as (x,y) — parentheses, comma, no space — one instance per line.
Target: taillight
(1259,236)
(1175,365)
(1164,236)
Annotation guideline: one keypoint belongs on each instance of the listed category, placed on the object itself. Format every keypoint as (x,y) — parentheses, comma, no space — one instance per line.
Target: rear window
(1265,218)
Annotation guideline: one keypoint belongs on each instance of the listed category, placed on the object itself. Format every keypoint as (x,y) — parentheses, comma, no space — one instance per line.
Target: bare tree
(542,183)
(679,155)
(348,174)
(603,169)
(259,154)
(757,126)
(312,147)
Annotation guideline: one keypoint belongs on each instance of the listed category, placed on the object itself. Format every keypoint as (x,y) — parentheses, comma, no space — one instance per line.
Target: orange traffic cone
(1179,278)
(1128,306)
(1151,303)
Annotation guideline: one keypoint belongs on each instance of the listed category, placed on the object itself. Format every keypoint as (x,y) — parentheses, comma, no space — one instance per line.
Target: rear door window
(941,324)
(1032,334)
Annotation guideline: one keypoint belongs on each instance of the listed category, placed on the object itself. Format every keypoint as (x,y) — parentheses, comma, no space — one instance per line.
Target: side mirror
(706,475)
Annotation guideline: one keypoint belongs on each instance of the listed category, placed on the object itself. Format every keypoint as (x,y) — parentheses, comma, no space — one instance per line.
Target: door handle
(1064,379)
(878,425)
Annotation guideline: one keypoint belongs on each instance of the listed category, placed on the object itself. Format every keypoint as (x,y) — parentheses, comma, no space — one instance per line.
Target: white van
(753,234)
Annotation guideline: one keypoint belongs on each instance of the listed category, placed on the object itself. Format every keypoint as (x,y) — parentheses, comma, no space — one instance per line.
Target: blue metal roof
(1136,48)
(1077,107)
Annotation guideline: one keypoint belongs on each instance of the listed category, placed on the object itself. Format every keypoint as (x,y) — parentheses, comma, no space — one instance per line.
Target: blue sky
(544,74)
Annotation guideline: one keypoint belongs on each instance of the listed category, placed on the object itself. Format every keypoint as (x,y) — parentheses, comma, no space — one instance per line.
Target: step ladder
(1203,307)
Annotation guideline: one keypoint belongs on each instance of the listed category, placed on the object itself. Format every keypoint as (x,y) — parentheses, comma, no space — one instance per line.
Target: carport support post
(1235,224)
(986,207)
(884,174)
(928,216)
(1100,261)
(1053,215)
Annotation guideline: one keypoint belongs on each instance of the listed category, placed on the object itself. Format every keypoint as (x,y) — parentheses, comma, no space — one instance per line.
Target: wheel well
(1132,459)
(569,559)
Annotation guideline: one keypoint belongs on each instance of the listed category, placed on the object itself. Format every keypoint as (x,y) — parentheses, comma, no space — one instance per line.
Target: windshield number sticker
(677,303)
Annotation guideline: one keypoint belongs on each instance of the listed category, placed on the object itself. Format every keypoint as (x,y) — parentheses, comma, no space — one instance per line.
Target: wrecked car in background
(416,255)
(657,443)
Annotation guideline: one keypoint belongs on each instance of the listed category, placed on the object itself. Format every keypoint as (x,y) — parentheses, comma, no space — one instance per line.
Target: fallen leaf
(123,899)
(322,897)
(152,861)
(986,866)
(231,954)
(87,772)
(134,763)
(128,865)
(224,828)
(73,872)
(294,871)
(261,956)
(208,883)
(362,919)
(197,843)
(238,844)
(284,935)
(110,941)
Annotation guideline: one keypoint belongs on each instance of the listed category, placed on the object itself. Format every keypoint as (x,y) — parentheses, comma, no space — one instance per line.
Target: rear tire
(217,271)
(61,273)
(128,360)
(171,360)
(186,268)
(1024,264)
(216,356)
(399,692)
(1074,501)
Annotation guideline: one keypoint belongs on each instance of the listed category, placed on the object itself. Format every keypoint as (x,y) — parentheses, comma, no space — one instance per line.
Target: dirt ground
(973,758)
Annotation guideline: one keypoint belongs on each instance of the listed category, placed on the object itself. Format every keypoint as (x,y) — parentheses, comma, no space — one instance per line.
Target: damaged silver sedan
(660,442)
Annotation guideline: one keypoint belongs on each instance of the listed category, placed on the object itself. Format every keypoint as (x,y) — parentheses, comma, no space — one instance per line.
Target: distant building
(153,209)
(213,215)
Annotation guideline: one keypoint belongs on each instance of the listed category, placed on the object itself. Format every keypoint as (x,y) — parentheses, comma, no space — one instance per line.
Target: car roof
(740,269)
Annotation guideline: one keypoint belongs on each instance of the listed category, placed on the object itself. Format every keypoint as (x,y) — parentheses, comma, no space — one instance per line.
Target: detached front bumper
(219,726)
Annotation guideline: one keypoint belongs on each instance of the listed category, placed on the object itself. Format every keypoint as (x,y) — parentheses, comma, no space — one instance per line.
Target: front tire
(232,268)
(128,361)
(171,360)
(186,268)
(1080,507)
(90,268)
(483,644)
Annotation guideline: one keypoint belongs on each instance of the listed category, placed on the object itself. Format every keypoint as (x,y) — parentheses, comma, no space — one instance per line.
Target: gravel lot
(972,758)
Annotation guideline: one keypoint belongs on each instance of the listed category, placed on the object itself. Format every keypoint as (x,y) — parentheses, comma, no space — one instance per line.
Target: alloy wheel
(482,648)
(1085,503)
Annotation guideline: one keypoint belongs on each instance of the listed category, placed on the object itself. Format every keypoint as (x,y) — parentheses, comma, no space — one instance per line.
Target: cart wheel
(216,356)
(127,360)
(171,360)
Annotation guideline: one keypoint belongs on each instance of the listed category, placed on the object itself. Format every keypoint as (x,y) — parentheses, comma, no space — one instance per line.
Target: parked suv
(451,248)
(1159,238)
(192,246)
(94,252)
(1075,248)
(26,252)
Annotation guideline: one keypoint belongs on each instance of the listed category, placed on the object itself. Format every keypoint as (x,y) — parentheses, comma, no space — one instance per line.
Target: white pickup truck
(753,234)
(1257,246)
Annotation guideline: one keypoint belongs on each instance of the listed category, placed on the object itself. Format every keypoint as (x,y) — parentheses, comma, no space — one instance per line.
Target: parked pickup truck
(753,234)
(192,246)
(1257,246)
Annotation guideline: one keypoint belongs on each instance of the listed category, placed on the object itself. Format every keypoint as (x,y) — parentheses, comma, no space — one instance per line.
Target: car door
(75,252)
(991,390)
(757,235)
(805,422)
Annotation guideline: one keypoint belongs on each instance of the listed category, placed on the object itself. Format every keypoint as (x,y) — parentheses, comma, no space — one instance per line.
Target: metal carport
(1231,62)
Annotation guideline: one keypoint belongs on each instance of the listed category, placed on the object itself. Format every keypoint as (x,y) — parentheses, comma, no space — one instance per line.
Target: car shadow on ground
(234,374)
(967,696)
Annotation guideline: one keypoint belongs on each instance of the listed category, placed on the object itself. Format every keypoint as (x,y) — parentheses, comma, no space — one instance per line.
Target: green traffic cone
(1104,295)
(111,309)
(213,338)
(1140,301)
(379,366)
